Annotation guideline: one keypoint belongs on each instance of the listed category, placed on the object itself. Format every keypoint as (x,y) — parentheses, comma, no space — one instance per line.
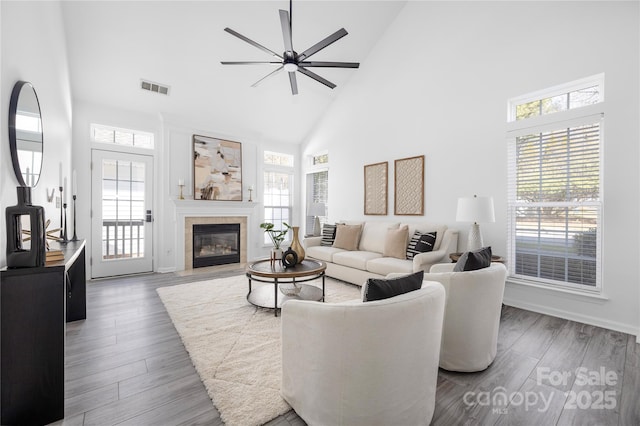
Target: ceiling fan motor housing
(290,61)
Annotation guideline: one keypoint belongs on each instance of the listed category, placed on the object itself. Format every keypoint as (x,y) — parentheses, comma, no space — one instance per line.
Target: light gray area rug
(235,346)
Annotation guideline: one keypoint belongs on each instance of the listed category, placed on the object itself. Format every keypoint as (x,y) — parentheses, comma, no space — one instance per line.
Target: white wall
(33,49)
(178,163)
(437,84)
(172,161)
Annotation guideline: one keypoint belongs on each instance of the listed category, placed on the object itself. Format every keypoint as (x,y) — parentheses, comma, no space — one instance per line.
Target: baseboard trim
(572,316)
(166,270)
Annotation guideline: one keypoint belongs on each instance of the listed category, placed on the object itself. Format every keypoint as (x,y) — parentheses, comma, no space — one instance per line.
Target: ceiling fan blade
(251,42)
(286,31)
(322,44)
(294,83)
(267,76)
(316,77)
(329,64)
(249,62)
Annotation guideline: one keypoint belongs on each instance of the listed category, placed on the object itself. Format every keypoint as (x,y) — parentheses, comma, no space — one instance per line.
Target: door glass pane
(122,209)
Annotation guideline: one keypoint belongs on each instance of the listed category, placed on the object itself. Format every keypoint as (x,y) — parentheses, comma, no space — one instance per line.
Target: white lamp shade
(475,209)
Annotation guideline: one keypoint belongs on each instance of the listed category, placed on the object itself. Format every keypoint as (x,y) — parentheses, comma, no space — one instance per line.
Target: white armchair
(356,363)
(472,315)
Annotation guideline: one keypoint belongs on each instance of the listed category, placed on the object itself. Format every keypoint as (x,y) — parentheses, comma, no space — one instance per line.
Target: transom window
(124,137)
(320,159)
(555,191)
(562,102)
(278,159)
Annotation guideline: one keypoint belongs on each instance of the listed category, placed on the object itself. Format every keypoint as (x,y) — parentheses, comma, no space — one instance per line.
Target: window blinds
(555,204)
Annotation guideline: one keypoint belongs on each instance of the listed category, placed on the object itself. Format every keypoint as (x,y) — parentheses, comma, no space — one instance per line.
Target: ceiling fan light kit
(290,67)
(290,61)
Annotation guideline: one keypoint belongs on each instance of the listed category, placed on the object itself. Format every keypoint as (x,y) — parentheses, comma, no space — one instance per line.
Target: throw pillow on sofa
(347,236)
(395,242)
(421,242)
(328,234)
(473,260)
(378,288)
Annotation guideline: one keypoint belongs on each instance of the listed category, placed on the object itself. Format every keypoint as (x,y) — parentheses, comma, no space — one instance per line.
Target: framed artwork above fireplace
(217,169)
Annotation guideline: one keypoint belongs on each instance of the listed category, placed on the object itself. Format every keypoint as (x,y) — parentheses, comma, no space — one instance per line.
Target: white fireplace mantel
(210,205)
(210,208)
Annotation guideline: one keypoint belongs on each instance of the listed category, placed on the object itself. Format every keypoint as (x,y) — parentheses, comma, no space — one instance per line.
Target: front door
(121,222)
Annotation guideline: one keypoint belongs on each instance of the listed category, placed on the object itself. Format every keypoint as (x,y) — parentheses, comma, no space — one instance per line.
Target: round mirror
(25,134)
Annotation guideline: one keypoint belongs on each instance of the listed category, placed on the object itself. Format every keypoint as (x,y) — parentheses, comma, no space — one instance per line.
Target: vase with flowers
(276,236)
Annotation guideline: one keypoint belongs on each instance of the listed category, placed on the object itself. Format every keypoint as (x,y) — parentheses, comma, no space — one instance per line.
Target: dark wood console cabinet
(35,303)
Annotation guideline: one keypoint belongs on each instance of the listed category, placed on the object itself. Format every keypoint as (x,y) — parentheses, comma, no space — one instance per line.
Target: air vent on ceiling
(154,87)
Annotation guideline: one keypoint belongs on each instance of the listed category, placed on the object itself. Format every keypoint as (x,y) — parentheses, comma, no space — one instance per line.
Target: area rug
(235,346)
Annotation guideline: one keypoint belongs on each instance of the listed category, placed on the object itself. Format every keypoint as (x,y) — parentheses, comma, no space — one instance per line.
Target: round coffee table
(286,281)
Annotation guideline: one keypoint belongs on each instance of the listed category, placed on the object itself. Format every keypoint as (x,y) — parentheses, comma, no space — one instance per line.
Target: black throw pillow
(473,260)
(378,288)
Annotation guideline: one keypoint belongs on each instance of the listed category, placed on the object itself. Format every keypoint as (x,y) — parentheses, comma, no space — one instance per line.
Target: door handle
(149,217)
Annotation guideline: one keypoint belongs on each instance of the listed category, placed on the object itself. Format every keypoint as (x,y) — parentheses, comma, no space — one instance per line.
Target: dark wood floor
(126,364)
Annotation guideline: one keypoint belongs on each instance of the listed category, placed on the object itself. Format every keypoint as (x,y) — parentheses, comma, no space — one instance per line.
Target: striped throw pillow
(420,243)
(328,235)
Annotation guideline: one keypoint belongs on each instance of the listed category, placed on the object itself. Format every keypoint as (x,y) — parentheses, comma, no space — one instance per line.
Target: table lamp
(317,210)
(475,209)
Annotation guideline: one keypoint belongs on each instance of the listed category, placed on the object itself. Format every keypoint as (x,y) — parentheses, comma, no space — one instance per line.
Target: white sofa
(363,363)
(368,261)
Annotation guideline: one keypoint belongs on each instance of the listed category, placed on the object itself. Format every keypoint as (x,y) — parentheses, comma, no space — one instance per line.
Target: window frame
(596,80)
(120,146)
(275,168)
(311,198)
(312,167)
(584,115)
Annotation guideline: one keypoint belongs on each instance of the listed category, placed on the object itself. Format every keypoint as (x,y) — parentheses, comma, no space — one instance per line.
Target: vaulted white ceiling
(112,45)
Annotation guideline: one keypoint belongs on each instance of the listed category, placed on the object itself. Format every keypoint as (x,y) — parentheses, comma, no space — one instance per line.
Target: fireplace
(191,221)
(216,244)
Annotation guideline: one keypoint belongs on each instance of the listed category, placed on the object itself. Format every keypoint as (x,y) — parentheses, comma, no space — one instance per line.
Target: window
(555,191)
(317,197)
(317,191)
(112,135)
(278,159)
(320,159)
(278,189)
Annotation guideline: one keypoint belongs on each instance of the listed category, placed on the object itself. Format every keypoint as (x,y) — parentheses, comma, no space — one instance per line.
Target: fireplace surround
(239,221)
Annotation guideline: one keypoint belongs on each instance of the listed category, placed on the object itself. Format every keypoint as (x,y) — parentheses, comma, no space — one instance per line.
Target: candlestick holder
(75,237)
(250,191)
(64,232)
(61,221)
(181,197)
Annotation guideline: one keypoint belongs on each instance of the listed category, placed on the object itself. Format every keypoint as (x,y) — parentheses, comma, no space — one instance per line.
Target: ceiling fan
(290,60)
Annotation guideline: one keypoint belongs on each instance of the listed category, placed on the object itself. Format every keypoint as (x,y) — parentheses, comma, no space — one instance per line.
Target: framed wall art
(409,186)
(217,169)
(375,188)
